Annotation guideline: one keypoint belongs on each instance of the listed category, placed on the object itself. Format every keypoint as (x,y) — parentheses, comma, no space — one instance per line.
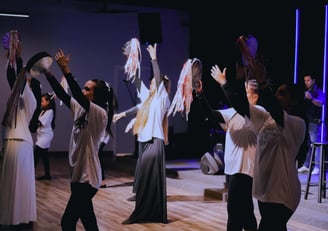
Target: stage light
(323,118)
(19,15)
(296,45)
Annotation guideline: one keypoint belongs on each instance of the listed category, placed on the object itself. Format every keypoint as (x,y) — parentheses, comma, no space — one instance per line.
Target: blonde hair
(142,115)
(143,112)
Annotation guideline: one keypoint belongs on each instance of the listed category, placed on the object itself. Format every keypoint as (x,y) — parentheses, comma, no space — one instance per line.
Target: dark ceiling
(170,4)
(189,4)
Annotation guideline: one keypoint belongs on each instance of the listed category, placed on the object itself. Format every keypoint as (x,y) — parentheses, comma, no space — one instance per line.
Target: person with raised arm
(276,185)
(93,108)
(151,128)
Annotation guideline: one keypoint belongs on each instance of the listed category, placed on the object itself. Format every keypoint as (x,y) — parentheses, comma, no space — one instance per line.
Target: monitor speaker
(150,28)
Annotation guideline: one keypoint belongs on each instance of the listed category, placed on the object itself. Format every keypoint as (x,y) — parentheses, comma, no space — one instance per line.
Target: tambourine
(39,63)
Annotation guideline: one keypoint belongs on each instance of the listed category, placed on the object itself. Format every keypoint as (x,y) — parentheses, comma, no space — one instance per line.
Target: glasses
(87,88)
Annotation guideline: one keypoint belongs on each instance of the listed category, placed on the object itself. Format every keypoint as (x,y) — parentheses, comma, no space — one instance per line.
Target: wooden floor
(188,207)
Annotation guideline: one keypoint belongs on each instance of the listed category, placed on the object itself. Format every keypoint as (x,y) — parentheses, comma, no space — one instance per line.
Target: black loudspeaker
(150,28)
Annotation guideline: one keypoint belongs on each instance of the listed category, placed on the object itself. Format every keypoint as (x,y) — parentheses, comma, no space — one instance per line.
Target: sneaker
(303,169)
(315,171)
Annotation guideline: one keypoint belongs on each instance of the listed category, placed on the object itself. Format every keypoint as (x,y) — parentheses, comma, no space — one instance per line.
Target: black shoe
(45,177)
(103,186)
(22,226)
(127,222)
(133,198)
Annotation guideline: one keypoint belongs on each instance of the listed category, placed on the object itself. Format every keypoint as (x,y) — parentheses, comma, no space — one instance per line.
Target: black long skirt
(151,202)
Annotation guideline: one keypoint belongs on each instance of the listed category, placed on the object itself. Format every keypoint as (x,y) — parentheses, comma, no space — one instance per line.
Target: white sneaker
(303,169)
(315,171)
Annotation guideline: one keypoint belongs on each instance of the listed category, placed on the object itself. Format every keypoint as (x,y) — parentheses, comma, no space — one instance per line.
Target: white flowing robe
(17,176)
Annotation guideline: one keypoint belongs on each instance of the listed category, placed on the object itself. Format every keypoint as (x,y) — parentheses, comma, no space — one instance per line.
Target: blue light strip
(325,53)
(296,45)
(323,127)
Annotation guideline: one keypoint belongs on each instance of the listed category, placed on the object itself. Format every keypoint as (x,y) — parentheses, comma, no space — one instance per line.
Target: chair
(321,183)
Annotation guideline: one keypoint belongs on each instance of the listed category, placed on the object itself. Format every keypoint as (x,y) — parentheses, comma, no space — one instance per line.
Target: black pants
(274,216)
(101,159)
(80,206)
(42,152)
(240,203)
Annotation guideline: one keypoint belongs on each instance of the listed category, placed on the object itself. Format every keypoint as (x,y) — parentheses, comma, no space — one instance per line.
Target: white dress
(17,177)
(45,133)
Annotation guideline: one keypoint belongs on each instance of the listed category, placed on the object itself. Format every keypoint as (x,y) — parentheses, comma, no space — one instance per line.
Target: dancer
(151,127)
(17,177)
(93,110)
(239,155)
(276,185)
(131,50)
(198,129)
(45,133)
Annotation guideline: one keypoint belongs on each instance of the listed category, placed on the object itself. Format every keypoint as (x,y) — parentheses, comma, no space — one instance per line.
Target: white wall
(94,41)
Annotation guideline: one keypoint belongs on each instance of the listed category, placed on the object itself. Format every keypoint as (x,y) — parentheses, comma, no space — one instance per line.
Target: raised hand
(152,51)
(218,75)
(62,61)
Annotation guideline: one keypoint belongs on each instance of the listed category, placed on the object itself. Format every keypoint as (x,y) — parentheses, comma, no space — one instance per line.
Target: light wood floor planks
(188,208)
